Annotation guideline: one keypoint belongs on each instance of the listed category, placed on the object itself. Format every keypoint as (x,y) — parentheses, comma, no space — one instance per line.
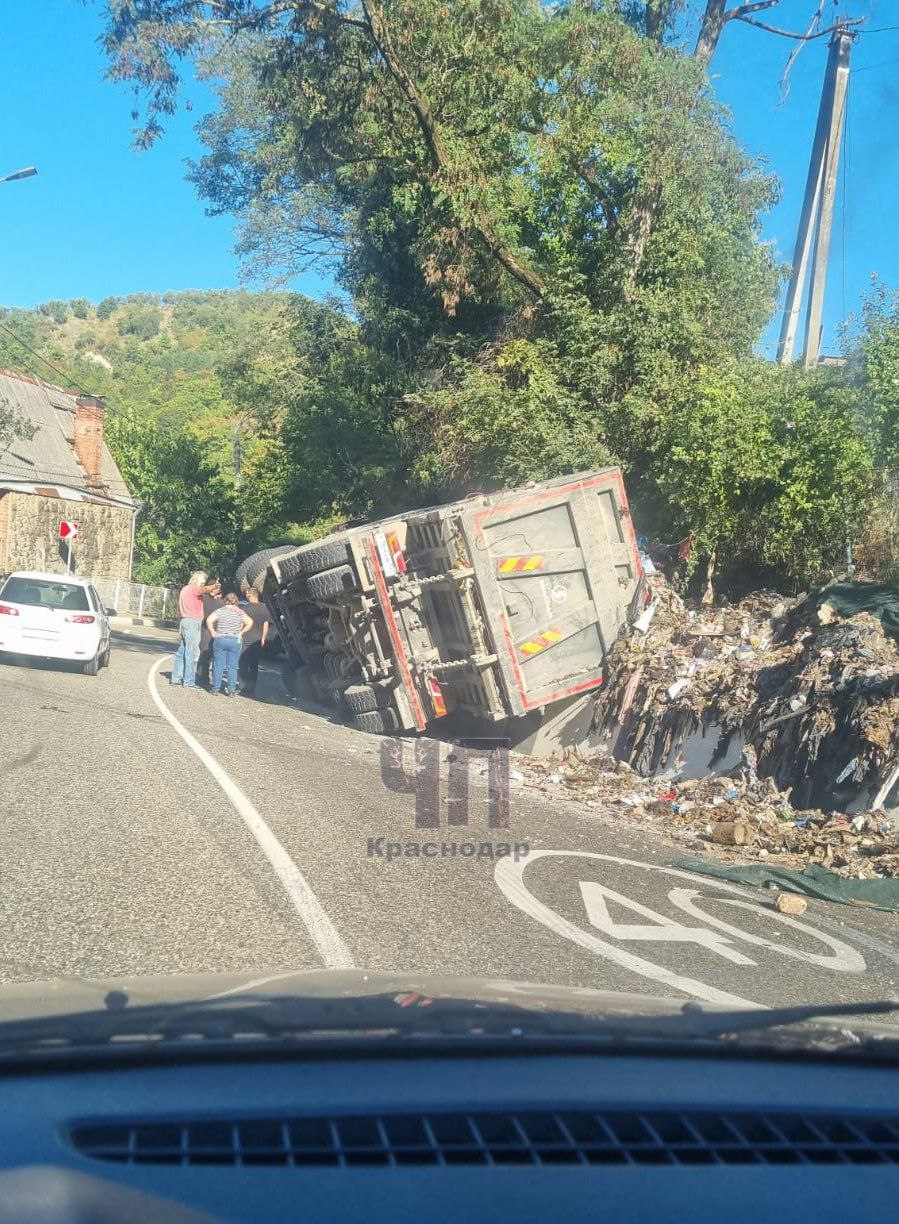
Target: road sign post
(68,531)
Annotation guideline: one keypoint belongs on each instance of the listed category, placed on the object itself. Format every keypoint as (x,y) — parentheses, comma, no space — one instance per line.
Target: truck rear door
(557,567)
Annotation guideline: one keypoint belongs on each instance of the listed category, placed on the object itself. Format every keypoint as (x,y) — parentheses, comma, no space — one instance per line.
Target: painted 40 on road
(613,939)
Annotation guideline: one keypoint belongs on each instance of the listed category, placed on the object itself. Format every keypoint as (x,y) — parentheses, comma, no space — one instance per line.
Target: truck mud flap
(546,561)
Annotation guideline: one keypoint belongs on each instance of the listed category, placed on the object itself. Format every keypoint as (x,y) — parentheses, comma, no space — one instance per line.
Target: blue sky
(101,219)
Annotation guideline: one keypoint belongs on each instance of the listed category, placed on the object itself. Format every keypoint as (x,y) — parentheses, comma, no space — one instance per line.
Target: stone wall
(29,536)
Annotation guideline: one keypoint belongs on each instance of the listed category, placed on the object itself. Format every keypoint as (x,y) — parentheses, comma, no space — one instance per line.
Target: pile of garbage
(812,688)
(826,714)
(806,690)
(736,813)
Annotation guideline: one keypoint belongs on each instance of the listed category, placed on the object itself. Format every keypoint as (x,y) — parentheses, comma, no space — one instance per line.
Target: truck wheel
(315,558)
(331,582)
(254,566)
(361,698)
(377,722)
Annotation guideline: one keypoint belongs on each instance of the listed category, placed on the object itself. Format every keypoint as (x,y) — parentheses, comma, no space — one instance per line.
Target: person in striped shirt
(226,625)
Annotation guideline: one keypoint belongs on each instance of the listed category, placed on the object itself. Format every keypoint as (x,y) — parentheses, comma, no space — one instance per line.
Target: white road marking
(509,876)
(843,958)
(328,942)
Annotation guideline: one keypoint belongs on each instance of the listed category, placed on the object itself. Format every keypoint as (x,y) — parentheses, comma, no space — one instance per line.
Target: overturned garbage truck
(495,612)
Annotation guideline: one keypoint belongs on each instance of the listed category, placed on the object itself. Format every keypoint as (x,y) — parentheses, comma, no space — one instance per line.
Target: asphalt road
(181,833)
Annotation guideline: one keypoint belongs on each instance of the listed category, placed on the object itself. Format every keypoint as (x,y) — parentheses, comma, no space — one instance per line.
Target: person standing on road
(226,625)
(190,608)
(211,603)
(253,642)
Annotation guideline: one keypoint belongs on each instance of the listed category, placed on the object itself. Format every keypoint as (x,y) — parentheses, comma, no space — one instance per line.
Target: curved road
(156,830)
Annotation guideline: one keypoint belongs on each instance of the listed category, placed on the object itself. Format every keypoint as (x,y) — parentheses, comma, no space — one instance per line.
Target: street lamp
(28,172)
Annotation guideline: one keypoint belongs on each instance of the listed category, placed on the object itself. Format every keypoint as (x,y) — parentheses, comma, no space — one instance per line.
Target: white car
(54,616)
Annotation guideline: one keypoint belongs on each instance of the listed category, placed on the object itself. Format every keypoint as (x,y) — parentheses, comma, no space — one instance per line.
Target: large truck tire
(315,558)
(363,698)
(377,722)
(250,570)
(331,582)
(360,698)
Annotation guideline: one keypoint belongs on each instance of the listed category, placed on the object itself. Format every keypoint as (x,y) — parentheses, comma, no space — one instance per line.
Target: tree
(144,324)
(187,518)
(107,307)
(765,467)
(549,237)
(56,310)
(873,350)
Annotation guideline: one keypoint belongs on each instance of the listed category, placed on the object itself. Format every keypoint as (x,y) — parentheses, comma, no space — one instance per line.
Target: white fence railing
(138,598)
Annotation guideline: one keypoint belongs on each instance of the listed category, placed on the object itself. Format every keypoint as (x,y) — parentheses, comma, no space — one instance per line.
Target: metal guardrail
(138,598)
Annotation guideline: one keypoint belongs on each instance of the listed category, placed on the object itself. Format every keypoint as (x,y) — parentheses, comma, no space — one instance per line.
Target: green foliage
(508,419)
(345,449)
(551,242)
(56,311)
(188,514)
(80,307)
(107,307)
(874,366)
(141,323)
(765,466)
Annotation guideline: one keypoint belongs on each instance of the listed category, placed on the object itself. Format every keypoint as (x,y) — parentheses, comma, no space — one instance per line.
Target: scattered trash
(790,903)
(645,619)
(799,693)
(846,772)
(814,708)
(731,833)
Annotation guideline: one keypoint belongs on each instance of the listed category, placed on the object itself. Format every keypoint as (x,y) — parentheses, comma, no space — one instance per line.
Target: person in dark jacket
(211,603)
(253,642)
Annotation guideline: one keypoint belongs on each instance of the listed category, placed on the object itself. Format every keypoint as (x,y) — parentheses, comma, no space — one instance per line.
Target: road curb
(119,622)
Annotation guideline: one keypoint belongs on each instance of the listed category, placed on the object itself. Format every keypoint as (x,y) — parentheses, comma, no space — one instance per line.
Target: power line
(33,351)
(880,64)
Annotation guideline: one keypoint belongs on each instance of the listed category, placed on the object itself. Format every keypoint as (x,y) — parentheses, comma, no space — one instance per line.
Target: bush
(107,307)
(141,323)
(55,310)
(80,308)
(766,467)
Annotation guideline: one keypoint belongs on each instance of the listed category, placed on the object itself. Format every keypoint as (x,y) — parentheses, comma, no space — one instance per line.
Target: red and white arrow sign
(68,530)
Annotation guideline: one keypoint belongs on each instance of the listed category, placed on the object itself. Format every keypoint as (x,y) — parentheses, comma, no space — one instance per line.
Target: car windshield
(449,510)
(41,593)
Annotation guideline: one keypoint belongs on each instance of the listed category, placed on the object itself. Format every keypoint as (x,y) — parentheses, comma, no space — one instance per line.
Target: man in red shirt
(190,606)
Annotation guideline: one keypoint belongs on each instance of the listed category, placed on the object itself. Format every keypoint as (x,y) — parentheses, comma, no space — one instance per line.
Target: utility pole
(816,219)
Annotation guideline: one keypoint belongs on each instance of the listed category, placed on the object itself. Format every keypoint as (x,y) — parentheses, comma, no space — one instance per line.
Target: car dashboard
(522,1138)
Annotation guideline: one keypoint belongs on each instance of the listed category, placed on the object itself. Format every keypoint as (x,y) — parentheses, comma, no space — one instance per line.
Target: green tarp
(815,881)
(848,598)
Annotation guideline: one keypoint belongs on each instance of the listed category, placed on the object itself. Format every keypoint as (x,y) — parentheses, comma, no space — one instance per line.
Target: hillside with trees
(551,242)
(548,240)
(178,372)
